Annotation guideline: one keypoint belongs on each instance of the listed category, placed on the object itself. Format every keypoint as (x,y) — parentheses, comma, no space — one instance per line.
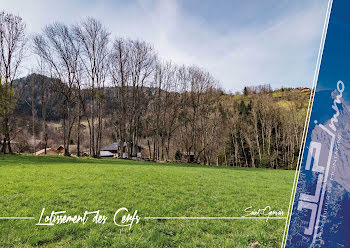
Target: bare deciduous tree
(94,39)
(12,43)
(58,47)
(132,65)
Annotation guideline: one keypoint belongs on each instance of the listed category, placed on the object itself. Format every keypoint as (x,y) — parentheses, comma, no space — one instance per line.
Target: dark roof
(111,147)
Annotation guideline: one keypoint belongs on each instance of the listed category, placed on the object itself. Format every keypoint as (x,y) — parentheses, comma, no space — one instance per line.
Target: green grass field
(29,183)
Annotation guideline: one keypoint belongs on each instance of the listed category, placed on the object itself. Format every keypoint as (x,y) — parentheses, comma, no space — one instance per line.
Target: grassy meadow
(30,183)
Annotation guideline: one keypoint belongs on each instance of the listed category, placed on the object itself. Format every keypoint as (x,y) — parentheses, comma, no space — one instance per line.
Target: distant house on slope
(119,151)
(305,90)
(72,149)
(112,148)
(60,149)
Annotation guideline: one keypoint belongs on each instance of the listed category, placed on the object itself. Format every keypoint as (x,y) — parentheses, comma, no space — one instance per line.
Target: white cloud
(281,53)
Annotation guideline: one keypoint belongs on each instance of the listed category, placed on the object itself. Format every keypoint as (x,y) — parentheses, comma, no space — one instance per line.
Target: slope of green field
(28,184)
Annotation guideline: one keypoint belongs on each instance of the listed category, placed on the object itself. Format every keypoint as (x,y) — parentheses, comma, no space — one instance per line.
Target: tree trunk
(78,131)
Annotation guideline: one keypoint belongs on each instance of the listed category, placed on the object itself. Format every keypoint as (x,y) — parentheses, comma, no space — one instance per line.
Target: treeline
(126,94)
(266,132)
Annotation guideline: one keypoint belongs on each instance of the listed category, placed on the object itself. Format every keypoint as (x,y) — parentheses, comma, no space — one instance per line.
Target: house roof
(72,148)
(60,147)
(42,151)
(106,154)
(111,147)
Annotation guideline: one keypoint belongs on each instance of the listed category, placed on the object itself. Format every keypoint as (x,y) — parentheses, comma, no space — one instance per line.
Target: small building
(106,154)
(117,150)
(140,150)
(49,151)
(72,149)
(123,151)
(60,149)
(188,157)
(112,148)
(305,90)
(15,146)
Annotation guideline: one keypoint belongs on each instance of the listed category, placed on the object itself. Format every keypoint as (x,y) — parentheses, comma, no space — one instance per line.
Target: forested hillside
(258,128)
(266,129)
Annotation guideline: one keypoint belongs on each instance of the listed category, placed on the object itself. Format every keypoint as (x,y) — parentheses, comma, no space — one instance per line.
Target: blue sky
(240,42)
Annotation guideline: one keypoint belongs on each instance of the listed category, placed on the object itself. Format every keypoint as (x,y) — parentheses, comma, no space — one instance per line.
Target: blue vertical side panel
(321,209)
